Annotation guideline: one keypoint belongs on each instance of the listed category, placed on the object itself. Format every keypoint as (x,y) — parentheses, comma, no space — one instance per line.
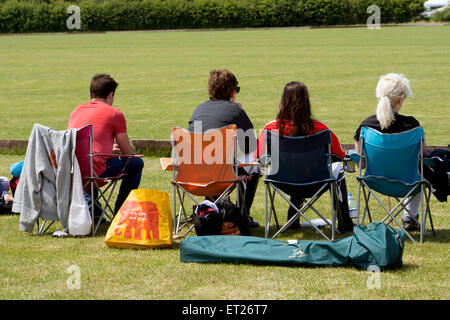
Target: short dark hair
(221,84)
(102,85)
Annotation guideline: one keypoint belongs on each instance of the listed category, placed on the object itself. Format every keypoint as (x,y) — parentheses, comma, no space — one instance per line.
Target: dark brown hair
(296,107)
(221,84)
(102,85)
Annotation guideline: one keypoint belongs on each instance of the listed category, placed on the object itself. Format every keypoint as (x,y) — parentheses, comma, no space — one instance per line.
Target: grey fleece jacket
(45,186)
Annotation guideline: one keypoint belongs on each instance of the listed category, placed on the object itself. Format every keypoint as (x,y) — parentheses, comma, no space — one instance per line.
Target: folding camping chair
(300,166)
(204,164)
(91,181)
(394,168)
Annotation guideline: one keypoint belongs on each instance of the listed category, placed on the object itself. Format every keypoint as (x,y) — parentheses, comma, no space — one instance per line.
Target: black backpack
(207,221)
(229,220)
(234,221)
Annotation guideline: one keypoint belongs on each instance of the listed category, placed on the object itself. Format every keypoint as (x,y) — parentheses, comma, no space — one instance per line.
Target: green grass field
(163,76)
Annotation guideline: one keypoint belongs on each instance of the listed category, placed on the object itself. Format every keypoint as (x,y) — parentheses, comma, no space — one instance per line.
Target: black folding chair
(300,166)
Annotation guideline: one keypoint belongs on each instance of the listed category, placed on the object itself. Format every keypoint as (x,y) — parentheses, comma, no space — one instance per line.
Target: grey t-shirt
(215,114)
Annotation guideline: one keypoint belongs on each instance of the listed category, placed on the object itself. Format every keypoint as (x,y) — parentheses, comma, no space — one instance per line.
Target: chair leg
(174,213)
(92,208)
(300,212)
(272,208)
(268,217)
(428,211)
(390,213)
(422,225)
(182,212)
(333,211)
(266,220)
(366,206)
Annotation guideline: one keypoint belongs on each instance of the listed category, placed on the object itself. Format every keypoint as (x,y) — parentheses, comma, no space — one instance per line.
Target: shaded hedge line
(96,15)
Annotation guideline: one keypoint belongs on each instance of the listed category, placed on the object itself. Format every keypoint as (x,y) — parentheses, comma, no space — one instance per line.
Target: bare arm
(424,147)
(124,144)
(8,198)
(357,150)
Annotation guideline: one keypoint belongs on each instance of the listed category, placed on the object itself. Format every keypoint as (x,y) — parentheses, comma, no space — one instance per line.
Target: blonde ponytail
(385,115)
(391,88)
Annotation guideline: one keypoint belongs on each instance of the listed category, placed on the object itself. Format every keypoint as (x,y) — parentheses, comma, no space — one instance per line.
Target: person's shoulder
(319,125)
(230,106)
(271,125)
(83,105)
(111,109)
(204,104)
(409,120)
(370,120)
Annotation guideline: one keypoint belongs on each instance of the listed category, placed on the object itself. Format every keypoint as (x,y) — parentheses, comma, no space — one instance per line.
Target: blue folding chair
(393,167)
(299,166)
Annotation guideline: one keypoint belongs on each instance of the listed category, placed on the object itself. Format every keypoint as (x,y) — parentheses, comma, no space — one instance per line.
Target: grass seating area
(162,77)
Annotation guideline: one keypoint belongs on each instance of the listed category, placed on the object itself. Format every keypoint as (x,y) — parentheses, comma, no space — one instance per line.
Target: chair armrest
(429,162)
(352,154)
(114,155)
(253,163)
(167,164)
(334,158)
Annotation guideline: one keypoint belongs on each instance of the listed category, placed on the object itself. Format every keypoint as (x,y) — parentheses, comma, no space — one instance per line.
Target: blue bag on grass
(376,244)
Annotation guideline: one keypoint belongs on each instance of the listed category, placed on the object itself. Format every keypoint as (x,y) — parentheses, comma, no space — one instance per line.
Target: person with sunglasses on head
(222,109)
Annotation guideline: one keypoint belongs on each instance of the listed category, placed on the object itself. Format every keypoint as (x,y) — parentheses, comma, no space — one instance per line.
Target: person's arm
(248,141)
(424,147)
(8,198)
(336,146)
(124,144)
(362,162)
(5,195)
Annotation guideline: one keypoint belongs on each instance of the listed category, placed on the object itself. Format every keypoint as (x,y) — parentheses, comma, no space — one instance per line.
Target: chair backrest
(84,149)
(204,157)
(299,160)
(394,156)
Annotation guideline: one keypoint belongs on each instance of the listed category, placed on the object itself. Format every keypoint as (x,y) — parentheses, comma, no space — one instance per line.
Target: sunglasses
(238,89)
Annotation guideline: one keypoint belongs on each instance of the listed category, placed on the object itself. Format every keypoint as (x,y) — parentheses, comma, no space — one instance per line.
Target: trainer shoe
(411,225)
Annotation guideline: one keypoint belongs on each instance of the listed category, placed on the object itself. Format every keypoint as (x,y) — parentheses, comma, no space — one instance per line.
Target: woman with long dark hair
(295,119)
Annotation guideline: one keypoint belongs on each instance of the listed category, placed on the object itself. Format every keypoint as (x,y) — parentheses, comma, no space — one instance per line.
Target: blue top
(2,191)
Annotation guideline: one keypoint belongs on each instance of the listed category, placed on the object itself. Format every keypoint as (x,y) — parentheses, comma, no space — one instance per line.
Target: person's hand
(116,149)
(8,198)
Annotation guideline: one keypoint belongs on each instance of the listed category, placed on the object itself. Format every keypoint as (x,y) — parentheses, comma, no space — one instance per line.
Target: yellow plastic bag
(144,221)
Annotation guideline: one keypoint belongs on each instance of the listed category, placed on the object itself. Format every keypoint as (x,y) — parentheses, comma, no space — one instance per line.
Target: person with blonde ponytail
(392,90)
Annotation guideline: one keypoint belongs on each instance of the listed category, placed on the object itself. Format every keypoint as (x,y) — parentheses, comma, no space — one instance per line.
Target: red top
(107,122)
(318,126)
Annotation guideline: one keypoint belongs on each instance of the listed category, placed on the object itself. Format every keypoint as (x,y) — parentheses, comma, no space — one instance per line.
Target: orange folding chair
(204,164)
(91,181)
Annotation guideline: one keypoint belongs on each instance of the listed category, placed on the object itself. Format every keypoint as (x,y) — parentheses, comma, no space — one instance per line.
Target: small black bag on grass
(5,208)
(225,218)
(207,219)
